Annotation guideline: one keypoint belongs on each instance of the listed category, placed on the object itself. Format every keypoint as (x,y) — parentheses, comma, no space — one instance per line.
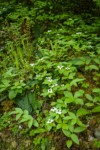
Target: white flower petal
(56,84)
(49,30)
(50,121)
(50,91)
(60,67)
(32,64)
(54,109)
(59,111)
(79,33)
(67,68)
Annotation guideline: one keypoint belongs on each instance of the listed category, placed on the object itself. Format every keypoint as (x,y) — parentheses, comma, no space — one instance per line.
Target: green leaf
(75,138)
(69,100)
(53,103)
(79,129)
(97,60)
(69,143)
(89,104)
(59,126)
(96,109)
(66,132)
(78,93)
(79,101)
(60,101)
(80,123)
(33,101)
(92,67)
(18,116)
(36,131)
(74,121)
(72,114)
(89,97)
(82,112)
(24,103)
(65,126)
(43,146)
(17,111)
(49,127)
(12,94)
(26,112)
(35,123)
(71,127)
(71,76)
(74,82)
(30,123)
(78,61)
(96,90)
(68,94)
(24,119)
(67,118)
(6,83)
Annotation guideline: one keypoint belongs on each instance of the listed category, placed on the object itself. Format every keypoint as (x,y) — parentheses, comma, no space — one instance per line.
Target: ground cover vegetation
(50,74)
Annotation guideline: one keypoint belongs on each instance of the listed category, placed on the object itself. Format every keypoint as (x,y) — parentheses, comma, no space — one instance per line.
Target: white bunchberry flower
(38,75)
(49,30)
(50,91)
(78,28)
(89,42)
(20,127)
(58,111)
(50,121)
(60,67)
(32,90)
(40,59)
(54,85)
(54,109)
(32,64)
(90,46)
(70,19)
(50,80)
(67,68)
(79,33)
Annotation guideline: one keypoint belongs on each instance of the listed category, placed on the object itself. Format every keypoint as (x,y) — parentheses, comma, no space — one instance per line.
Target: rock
(97,133)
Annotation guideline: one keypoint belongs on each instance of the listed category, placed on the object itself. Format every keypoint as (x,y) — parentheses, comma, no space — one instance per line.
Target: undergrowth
(50,64)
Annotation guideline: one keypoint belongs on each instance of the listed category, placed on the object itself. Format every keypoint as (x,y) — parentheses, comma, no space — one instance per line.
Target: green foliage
(5,121)
(96,109)
(97,143)
(24,116)
(43,141)
(51,68)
